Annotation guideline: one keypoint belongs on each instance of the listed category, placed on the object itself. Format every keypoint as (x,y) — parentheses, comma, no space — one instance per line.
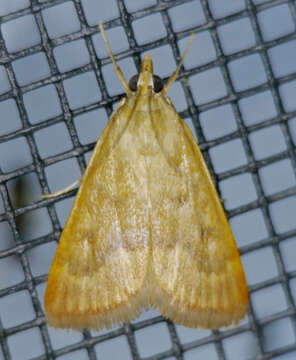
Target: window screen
(236,91)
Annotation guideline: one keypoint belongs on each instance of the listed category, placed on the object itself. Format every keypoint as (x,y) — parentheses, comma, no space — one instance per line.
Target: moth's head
(146,81)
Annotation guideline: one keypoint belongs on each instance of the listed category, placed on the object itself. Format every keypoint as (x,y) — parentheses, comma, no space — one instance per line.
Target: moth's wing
(97,276)
(198,279)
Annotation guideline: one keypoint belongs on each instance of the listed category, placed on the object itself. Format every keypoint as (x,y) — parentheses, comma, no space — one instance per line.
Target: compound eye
(133,83)
(157,84)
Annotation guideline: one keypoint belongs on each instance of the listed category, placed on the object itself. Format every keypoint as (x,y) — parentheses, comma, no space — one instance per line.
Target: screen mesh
(236,91)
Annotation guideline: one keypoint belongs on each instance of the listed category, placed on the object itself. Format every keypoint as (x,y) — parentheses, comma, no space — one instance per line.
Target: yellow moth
(147,227)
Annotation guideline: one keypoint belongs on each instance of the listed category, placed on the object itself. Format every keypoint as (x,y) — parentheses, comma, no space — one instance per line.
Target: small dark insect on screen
(237,92)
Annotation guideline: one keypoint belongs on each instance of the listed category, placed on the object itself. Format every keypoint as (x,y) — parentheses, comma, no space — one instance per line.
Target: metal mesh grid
(11,214)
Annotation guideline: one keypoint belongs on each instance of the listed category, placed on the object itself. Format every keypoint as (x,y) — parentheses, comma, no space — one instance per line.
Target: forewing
(198,279)
(98,272)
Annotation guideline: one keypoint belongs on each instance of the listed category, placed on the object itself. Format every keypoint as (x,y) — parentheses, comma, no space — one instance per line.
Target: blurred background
(236,91)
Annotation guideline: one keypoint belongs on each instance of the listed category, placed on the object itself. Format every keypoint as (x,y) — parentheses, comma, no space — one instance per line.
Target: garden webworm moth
(147,227)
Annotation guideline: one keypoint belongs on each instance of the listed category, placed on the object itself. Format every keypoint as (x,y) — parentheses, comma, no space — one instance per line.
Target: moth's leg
(61,192)
(117,68)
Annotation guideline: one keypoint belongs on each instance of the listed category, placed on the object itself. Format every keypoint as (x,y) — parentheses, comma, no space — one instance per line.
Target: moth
(147,227)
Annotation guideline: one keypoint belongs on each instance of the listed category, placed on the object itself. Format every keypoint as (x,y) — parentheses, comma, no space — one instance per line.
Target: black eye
(157,84)
(133,83)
